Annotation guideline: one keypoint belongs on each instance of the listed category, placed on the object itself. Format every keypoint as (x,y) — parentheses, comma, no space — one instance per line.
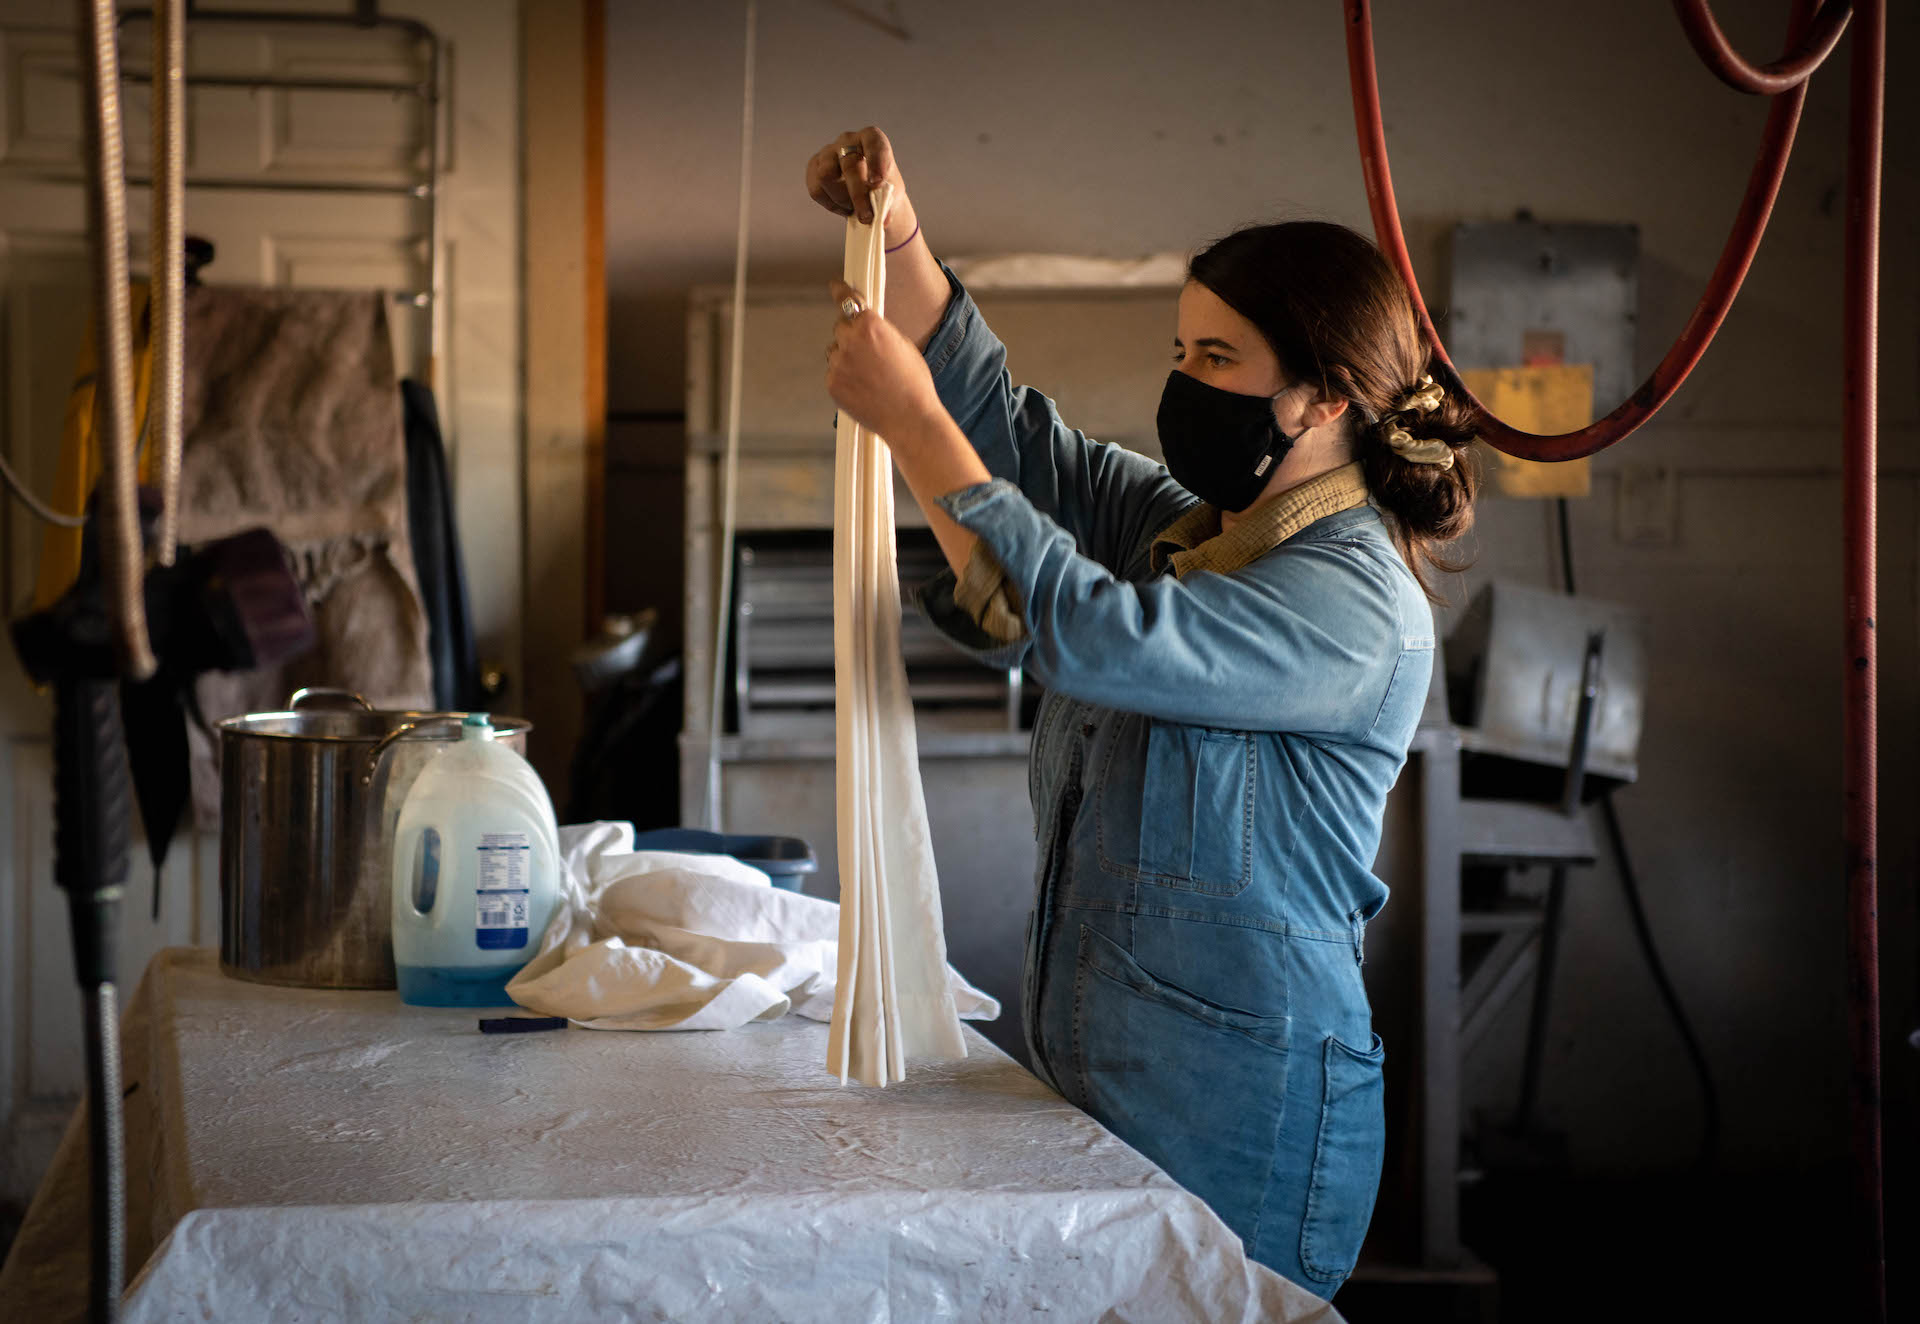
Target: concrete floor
(1662,1247)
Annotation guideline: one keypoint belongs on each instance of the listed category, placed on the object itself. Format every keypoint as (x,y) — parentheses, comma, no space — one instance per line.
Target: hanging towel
(435,538)
(892,1002)
(291,414)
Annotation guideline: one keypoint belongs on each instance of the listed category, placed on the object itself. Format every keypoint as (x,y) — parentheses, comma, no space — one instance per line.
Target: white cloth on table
(892,1002)
(663,940)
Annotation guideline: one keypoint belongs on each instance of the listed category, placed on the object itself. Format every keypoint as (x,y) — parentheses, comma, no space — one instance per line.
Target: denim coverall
(1209,769)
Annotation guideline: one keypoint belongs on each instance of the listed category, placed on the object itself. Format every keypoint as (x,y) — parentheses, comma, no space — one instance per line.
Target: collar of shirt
(1196,542)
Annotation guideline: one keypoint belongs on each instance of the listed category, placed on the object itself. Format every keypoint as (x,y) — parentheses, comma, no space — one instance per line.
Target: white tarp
(308,1155)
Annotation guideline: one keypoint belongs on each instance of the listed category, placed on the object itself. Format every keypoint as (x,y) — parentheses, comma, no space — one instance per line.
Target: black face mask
(1220,445)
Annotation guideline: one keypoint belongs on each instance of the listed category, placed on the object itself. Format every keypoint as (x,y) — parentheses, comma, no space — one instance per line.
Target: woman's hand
(877,376)
(842,175)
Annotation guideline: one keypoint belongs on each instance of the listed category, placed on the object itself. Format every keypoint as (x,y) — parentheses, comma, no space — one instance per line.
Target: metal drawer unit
(783,644)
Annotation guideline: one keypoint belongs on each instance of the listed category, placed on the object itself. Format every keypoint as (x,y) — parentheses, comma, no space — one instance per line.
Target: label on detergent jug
(501,897)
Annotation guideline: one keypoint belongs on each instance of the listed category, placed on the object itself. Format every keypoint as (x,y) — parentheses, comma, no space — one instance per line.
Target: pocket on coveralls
(1346,1160)
(1195,1086)
(1181,816)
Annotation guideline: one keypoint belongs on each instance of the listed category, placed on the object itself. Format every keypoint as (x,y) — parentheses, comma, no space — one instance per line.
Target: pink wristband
(904,242)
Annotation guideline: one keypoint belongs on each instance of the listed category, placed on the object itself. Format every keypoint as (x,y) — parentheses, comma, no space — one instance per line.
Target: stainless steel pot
(308,802)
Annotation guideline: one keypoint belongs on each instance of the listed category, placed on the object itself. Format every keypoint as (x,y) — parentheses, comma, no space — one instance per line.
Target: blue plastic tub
(785,860)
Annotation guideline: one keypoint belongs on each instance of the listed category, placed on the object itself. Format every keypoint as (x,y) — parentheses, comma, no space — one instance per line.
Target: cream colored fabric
(891,998)
(660,940)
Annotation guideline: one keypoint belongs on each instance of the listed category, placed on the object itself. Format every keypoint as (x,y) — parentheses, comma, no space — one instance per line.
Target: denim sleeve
(1109,499)
(1304,645)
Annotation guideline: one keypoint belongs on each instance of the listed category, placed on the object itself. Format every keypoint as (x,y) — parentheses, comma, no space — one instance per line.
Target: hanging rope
(730,462)
(166,273)
(122,556)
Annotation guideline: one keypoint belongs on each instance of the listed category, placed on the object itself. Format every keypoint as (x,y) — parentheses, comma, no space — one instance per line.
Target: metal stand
(1440,841)
(1556,892)
(1455,829)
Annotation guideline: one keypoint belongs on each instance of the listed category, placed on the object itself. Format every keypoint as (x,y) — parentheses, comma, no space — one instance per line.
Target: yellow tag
(1548,399)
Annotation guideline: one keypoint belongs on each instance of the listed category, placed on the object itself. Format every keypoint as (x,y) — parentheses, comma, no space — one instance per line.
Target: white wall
(1123,128)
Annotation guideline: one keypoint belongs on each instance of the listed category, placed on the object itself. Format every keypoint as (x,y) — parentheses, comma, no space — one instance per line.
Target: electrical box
(1541,325)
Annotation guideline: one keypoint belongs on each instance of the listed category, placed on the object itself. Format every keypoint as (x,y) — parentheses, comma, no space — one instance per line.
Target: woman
(1235,648)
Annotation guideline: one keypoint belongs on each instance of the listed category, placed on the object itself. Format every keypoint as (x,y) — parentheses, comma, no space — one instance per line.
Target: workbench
(321,1155)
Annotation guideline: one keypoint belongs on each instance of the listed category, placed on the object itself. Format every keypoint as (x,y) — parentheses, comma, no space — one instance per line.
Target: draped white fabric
(657,940)
(891,998)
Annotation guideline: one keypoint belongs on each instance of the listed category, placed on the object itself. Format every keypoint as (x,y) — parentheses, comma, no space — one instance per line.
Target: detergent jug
(476,862)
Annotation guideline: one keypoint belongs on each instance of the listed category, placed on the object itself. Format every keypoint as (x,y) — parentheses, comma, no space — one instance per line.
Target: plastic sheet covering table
(313,1155)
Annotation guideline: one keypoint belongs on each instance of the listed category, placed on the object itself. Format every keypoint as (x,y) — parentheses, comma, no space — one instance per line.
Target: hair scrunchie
(1416,450)
(1425,397)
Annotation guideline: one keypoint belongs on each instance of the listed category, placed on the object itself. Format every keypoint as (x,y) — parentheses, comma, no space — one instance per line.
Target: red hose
(1808,45)
(1785,73)
(1865,114)
(1762,187)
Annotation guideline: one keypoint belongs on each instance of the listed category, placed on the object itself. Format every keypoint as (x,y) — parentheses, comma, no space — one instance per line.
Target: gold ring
(851,308)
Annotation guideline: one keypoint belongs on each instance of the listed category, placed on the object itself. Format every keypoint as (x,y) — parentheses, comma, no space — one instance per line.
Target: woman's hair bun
(1432,502)
(1336,314)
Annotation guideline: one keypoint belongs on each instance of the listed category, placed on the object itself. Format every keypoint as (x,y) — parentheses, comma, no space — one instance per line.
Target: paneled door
(252,158)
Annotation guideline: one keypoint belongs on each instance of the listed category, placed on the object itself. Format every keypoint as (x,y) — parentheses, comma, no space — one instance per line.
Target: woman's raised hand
(841,175)
(875,374)
(881,380)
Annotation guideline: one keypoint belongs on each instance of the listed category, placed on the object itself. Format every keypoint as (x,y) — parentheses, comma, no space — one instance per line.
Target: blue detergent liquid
(456,985)
(475,873)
